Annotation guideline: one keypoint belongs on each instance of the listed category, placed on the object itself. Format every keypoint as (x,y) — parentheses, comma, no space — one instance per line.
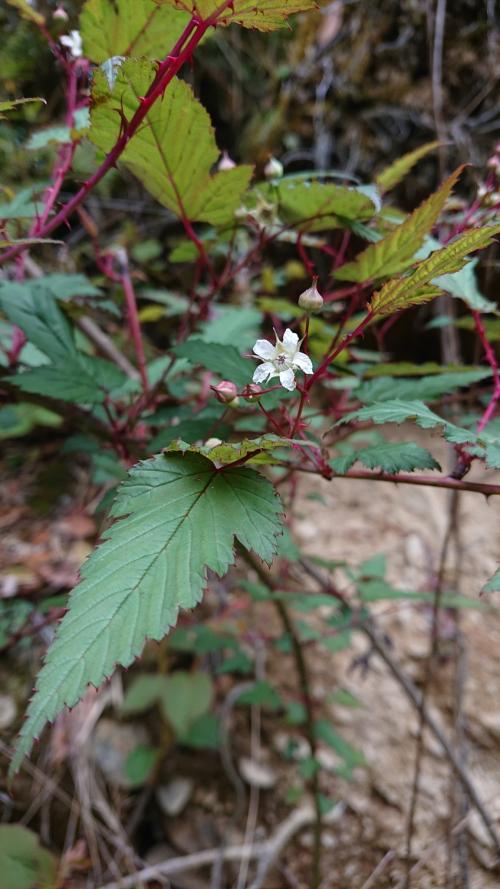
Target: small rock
(174,796)
(8,711)
(257,774)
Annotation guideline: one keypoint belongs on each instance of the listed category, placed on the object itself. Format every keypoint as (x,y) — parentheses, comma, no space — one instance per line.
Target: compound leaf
(395,252)
(399,169)
(400,293)
(178,517)
(174,149)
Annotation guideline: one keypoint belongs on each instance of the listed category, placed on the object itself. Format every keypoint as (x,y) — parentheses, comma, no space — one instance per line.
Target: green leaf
(266,15)
(27,12)
(423,388)
(313,206)
(204,733)
(399,411)
(230,451)
(124,28)
(462,284)
(324,731)
(262,694)
(399,293)
(395,252)
(225,361)
(173,151)
(24,864)
(35,311)
(186,697)
(390,456)
(139,764)
(13,103)
(77,378)
(493,584)
(399,169)
(179,517)
(145,691)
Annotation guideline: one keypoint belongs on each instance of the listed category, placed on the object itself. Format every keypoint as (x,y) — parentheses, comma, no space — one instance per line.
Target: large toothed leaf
(129,28)
(265,15)
(425,388)
(417,287)
(181,518)
(399,411)
(395,252)
(173,151)
(399,169)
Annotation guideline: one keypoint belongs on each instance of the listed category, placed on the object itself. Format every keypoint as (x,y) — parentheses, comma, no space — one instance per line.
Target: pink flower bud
(226,162)
(61,14)
(226,391)
(311,300)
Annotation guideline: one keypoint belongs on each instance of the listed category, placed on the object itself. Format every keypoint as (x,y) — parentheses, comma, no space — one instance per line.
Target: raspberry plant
(204,432)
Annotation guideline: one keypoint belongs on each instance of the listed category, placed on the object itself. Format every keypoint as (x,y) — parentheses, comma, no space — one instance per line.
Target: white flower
(281,360)
(73,42)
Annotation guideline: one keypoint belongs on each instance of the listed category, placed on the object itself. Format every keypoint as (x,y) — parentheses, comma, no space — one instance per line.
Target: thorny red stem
(133,317)
(180,54)
(492,361)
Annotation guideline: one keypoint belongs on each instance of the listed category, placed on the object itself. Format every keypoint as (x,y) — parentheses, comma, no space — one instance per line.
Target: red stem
(167,70)
(133,317)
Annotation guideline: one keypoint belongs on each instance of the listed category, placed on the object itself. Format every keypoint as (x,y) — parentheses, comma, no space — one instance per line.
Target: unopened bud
(226,391)
(61,14)
(311,300)
(273,169)
(213,443)
(252,392)
(226,162)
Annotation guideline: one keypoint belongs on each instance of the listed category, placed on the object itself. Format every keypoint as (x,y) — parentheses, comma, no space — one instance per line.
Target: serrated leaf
(76,378)
(462,284)
(399,411)
(314,206)
(178,517)
(266,15)
(223,360)
(34,310)
(229,452)
(389,456)
(422,388)
(395,252)
(416,288)
(174,149)
(399,169)
(141,28)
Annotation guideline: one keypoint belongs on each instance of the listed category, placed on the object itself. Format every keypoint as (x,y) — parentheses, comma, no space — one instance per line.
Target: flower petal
(287,379)
(303,361)
(290,341)
(264,349)
(263,372)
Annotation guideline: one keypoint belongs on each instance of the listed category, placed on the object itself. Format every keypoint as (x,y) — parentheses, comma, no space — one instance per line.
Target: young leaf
(13,103)
(173,151)
(178,517)
(266,15)
(186,697)
(399,169)
(416,287)
(390,456)
(314,206)
(139,28)
(24,863)
(395,252)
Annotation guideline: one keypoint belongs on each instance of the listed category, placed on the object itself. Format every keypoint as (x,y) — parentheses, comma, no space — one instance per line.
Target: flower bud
(213,443)
(226,162)
(273,168)
(61,14)
(226,391)
(252,392)
(311,300)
